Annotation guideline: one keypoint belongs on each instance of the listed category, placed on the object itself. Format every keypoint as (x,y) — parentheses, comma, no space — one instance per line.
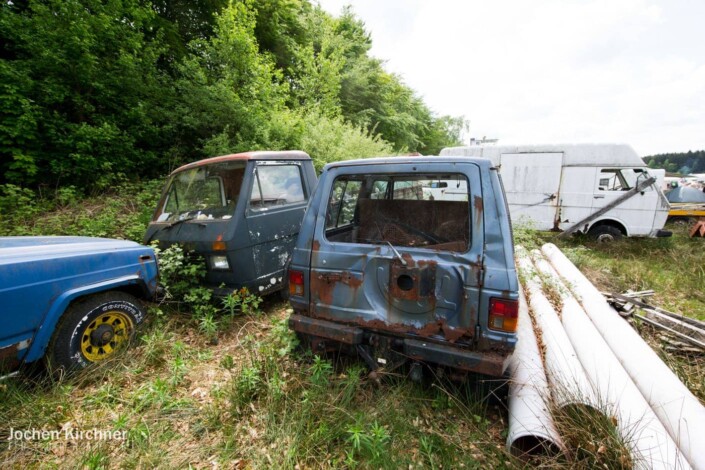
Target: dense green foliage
(93,92)
(683,163)
(122,212)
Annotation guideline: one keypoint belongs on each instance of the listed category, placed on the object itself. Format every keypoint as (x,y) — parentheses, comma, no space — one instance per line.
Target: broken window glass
(206,192)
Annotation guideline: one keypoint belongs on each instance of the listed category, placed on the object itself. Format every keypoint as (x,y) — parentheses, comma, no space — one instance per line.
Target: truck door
(532,185)
(636,213)
(386,257)
(275,208)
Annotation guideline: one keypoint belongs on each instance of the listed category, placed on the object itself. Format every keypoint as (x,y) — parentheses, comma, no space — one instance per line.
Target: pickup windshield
(207,192)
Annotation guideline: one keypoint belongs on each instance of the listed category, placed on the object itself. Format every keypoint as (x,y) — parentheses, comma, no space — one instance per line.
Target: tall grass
(255,400)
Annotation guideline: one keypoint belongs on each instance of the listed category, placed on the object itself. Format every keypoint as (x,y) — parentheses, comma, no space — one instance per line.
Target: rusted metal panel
(411,282)
(9,357)
(488,363)
(325,329)
(439,329)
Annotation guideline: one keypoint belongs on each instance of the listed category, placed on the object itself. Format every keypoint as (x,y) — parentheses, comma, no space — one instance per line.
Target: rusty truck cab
(241,212)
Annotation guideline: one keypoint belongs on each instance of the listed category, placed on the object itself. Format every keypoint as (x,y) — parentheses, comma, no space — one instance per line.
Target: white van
(604,190)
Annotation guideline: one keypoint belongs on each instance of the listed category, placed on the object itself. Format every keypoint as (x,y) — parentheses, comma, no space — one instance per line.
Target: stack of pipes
(586,355)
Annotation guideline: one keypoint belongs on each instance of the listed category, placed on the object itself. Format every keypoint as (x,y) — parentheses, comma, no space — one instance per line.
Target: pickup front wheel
(93,329)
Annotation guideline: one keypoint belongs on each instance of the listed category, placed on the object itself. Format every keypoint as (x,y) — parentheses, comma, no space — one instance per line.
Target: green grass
(673,267)
(249,401)
(123,212)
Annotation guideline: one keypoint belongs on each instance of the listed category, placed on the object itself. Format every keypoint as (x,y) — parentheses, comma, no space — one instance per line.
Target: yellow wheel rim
(106,333)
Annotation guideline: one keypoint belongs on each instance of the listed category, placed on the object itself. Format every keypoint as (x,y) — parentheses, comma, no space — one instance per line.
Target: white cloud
(552,70)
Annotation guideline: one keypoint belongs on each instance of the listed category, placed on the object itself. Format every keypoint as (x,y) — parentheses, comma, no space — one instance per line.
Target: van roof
(618,155)
(257,155)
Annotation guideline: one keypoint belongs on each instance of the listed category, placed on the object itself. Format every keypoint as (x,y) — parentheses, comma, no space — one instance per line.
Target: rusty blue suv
(408,259)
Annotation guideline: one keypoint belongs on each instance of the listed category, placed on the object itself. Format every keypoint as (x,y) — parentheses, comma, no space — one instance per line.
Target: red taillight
(296,283)
(503,315)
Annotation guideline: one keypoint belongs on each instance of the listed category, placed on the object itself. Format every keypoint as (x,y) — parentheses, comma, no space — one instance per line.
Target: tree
(78,80)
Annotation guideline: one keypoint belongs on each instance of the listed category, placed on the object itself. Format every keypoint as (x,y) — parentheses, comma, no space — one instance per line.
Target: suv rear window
(427,210)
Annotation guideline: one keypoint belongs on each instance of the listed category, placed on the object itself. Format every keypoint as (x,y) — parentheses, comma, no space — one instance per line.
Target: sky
(551,71)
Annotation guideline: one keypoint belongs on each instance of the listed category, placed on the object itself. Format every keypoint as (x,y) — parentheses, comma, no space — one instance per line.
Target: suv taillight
(503,315)
(296,283)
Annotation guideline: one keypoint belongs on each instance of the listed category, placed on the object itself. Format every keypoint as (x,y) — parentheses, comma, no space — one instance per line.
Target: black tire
(605,233)
(92,329)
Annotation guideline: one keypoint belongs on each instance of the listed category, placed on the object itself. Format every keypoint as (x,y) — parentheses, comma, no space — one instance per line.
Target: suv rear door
(388,255)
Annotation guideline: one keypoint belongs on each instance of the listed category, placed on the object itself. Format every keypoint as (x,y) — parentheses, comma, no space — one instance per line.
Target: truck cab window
(613,180)
(276,185)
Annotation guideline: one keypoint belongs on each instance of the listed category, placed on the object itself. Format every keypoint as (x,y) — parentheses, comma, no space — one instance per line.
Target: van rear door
(390,255)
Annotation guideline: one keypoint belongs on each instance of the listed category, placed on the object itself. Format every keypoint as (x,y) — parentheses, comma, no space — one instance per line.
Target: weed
(96,459)
(592,438)
(227,362)
(247,386)
(181,275)
(123,212)
(320,370)
(241,300)
(208,326)
(284,340)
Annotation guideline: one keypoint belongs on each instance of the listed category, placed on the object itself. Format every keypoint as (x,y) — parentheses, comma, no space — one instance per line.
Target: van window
(612,180)
(622,179)
(398,209)
(276,185)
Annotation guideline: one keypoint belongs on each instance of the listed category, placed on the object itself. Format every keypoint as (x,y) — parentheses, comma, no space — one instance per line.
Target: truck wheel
(605,233)
(93,329)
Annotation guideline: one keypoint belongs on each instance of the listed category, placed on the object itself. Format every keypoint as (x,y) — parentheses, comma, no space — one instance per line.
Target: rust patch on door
(323,284)
(415,281)
(479,207)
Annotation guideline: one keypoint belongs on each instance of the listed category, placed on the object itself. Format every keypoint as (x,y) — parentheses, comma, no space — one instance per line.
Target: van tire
(120,313)
(605,233)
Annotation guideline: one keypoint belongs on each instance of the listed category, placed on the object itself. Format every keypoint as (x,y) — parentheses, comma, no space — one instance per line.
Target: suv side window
(276,186)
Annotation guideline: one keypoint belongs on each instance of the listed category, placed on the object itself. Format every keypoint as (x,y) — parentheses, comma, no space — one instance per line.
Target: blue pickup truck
(70,300)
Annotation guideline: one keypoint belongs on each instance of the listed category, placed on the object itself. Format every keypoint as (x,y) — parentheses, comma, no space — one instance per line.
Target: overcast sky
(549,71)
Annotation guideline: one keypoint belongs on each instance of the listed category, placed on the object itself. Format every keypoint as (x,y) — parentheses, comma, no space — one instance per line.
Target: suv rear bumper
(487,362)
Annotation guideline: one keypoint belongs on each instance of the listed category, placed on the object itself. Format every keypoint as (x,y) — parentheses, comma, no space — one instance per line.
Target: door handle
(598,197)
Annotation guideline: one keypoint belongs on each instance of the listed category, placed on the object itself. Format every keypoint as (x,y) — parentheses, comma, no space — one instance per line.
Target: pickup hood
(18,249)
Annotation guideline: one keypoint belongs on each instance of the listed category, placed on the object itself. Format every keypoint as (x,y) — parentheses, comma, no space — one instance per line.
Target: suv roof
(259,155)
(405,159)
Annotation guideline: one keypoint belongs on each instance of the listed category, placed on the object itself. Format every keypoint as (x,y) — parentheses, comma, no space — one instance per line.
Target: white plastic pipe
(569,384)
(531,429)
(680,412)
(636,422)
